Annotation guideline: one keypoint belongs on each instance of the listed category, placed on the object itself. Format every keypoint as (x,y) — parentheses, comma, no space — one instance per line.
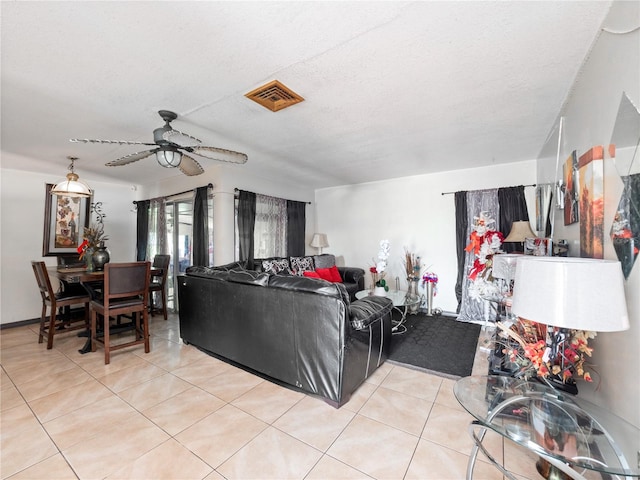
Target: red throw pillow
(311,274)
(335,275)
(324,273)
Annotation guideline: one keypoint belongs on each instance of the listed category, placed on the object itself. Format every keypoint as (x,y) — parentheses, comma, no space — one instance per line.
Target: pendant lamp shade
(71,186)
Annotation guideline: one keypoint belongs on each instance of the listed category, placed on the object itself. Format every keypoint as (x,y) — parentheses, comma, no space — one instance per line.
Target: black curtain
(201,227)
(513,208)
(142,230)
(296,219)
(461,241)
(246,225)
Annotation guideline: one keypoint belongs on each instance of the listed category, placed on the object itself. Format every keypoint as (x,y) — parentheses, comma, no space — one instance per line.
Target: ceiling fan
(170,147)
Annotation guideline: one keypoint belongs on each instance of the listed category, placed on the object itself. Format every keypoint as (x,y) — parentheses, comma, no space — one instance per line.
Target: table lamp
(319,241)
(567,293)
(520,231)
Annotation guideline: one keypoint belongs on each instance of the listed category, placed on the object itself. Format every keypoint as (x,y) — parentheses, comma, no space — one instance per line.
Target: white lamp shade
(504,265)
(574,293)
(319,240)
(71,187)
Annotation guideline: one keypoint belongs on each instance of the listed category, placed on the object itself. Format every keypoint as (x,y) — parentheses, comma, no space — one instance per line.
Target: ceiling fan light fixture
(71,186)
(168,157)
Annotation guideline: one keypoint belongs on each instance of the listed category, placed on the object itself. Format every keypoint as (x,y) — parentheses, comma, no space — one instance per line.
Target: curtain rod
(532,185)
(236,190)
(209,185)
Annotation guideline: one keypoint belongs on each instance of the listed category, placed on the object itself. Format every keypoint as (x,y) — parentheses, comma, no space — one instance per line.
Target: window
(270,234)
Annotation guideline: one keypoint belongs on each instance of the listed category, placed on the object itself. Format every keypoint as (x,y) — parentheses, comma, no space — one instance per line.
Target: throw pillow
(325,274)
(301,264)
(310,274)
(326,260)
(276,265)
(335,275)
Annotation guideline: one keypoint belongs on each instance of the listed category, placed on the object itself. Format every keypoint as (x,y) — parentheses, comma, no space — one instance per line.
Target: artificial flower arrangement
(533,355)
(430,277)
(93,236)
(378,269)
(412,265)
(484,242)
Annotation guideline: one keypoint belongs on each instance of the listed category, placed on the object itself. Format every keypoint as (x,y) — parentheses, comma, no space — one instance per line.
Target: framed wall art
(64,221)
(591,173)
(571,193)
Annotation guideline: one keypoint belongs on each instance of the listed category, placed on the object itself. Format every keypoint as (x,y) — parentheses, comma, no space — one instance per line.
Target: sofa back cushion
(311,285)
(207,272)
(250,277)
(326,260)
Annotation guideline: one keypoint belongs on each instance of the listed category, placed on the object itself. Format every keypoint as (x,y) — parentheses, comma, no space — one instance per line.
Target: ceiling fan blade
(119,142)
(189,166)
(132,157)
(220,154)
(181,139)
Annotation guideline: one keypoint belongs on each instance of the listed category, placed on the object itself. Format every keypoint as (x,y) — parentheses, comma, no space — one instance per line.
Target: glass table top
(552,422)
(399,298)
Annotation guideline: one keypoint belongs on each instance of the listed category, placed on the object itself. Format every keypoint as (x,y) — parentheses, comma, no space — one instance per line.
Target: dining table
(91,281)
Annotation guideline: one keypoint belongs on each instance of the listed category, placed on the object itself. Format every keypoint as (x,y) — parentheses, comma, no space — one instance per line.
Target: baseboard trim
(20,323)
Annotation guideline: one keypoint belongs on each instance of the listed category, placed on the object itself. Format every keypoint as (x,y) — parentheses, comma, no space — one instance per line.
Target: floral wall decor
(484,243)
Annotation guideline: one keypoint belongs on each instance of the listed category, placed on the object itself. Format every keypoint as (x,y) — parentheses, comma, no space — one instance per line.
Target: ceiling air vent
(274,96)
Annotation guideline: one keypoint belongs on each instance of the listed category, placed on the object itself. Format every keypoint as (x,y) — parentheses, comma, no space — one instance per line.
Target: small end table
(570,433)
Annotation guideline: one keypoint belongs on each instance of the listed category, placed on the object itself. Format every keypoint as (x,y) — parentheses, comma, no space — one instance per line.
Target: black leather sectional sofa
(301,332)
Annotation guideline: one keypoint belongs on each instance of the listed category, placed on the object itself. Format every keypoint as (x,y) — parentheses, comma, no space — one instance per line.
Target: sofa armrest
(352,275)
(367,310)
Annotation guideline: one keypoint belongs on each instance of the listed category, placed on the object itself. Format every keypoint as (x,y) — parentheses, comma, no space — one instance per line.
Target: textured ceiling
(390,88)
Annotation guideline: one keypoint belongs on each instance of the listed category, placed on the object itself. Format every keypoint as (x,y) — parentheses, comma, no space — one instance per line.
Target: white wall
(22,221)
(590,114)
(411,212)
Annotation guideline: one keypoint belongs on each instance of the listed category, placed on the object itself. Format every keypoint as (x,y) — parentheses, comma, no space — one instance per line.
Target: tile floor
(176,413)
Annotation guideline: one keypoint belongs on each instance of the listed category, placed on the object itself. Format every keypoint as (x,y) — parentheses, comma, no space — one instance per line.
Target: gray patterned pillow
(276,265)
(302,264)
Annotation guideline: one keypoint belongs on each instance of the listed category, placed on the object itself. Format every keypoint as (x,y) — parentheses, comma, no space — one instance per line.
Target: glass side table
(572,434)
(402,301)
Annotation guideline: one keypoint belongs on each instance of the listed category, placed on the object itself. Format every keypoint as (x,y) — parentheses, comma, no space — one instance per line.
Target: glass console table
(572,434)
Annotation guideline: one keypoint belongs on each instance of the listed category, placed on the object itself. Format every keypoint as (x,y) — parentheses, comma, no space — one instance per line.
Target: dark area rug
(438,344)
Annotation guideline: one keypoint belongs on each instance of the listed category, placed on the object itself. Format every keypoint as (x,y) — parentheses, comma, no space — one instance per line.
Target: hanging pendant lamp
(71,186)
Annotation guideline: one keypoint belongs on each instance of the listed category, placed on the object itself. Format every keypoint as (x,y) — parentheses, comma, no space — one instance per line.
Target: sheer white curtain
(157,241)
(270,234)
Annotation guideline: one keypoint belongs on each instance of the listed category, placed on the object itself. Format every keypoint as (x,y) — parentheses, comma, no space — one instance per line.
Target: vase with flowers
(413,268)
(430,284)
(378,270)
(93,248)
(557,357)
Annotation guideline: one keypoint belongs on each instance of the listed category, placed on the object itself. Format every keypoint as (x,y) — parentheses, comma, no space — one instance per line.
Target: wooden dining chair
(158,284)
(125,292)
(58,300)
